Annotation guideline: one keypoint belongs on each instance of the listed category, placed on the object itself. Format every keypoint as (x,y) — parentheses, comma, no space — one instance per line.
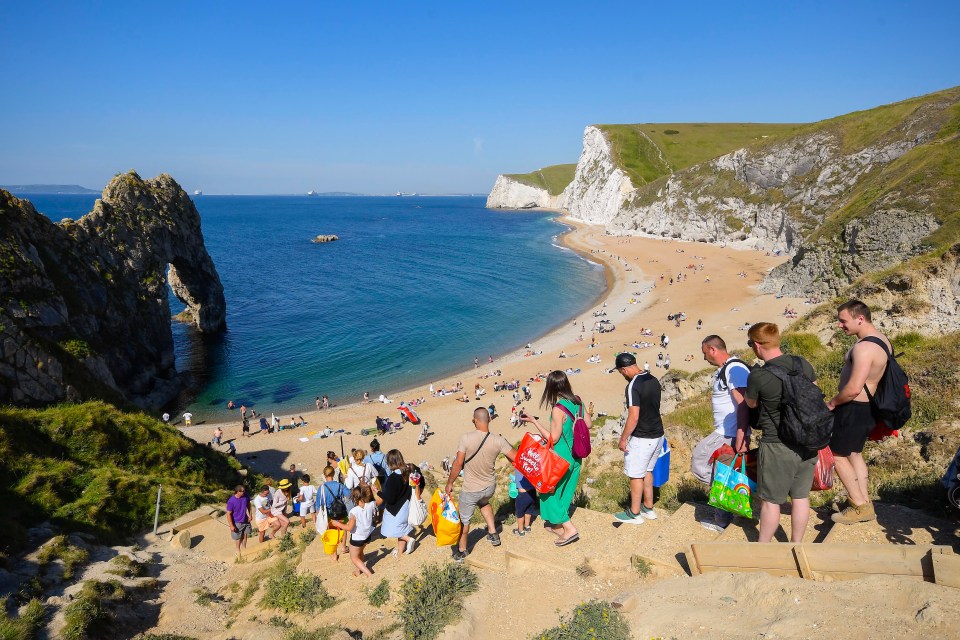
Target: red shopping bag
(823,472)
(539,463)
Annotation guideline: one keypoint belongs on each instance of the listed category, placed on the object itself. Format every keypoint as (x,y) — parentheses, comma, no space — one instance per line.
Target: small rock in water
(326,238)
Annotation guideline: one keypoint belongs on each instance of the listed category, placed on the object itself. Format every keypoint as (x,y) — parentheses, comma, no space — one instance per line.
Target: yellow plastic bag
(445,519)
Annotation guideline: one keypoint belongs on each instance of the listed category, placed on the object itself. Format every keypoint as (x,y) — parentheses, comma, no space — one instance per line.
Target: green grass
(127,567)
(88,616)
(647,152)
(59,548)
(554,179)
(433,599)
(594,620)
(379,595)
(291,592)
(25,627)
(91,467)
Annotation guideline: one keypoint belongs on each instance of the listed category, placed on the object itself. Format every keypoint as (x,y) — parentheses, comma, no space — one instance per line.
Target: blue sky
(372,97)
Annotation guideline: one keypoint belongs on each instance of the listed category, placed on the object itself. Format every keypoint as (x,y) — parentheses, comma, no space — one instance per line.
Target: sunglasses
(751,343)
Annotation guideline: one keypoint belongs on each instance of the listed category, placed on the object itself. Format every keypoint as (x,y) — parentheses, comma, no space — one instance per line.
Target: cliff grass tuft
(25,627)
(594,620)
(91,467)
(554,179)
(433,599)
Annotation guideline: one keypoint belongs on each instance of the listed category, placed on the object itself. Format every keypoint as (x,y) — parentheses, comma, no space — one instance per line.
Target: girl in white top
(359,473)
(360,526)
(304,502)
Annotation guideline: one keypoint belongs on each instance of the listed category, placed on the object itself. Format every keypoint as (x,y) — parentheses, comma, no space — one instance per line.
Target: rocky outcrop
(599,186)
(508,193)
(325,238)
(83,304)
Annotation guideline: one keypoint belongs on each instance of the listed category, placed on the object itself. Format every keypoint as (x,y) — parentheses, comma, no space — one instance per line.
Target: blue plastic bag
(661,472)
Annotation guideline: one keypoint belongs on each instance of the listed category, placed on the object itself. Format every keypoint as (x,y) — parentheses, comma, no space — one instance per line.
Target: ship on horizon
(311,193)
(198,192)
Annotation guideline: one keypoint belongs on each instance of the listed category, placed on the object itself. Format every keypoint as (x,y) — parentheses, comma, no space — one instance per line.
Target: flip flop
(563,543)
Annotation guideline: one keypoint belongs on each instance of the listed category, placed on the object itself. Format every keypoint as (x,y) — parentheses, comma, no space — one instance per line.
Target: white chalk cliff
(508,193)
(599,186)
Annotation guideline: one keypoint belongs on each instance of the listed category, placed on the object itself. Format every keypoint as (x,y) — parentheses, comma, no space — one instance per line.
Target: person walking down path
(863,367)
(239,514)
(395,499)
(477,454)
(558,396)
(731,419)
(642,438)
(360,526)
(783,471)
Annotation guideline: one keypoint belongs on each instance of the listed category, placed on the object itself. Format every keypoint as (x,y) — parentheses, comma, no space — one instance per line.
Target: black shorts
(852,423)
(525,503)
(359,542)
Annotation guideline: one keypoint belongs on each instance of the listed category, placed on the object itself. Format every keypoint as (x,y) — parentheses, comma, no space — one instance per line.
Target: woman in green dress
(555,506)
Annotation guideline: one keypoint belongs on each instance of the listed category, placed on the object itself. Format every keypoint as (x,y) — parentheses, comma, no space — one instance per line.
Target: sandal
(564,542)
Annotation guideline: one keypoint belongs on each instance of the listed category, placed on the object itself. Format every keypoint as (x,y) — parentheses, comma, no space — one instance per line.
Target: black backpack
(805,420)
(337,509)
(890,404)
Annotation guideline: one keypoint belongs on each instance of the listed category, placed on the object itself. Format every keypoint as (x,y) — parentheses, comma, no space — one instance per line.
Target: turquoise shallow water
(415,288)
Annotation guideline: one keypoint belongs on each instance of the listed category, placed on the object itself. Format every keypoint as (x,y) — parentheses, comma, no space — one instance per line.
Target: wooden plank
(791,573)
(745,554)
(802,563)
(946,569)
(898,560)
(693,562)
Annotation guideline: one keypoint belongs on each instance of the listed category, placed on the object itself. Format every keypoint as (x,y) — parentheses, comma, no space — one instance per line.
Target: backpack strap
(724,379)
(889,352)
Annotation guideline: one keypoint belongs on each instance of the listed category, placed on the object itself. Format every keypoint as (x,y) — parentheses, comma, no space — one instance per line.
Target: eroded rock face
(83,304)
(512,194)
(599,186)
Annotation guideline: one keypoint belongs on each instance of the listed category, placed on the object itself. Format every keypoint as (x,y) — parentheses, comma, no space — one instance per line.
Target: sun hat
(284,484)
(625,360)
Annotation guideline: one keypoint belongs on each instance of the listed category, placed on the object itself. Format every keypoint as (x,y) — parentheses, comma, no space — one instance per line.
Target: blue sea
(415,288)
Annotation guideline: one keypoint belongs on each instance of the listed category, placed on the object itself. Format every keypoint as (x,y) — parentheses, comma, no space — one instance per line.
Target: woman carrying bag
(555,506)
(395,499)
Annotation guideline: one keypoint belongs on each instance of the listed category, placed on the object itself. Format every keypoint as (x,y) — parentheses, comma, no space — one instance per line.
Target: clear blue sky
(282,97)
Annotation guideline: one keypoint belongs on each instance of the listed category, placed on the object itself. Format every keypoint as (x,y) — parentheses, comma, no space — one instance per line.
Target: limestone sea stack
(83,304)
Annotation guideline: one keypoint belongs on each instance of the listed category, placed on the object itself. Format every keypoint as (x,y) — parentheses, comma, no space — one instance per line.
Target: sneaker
(648,512)
(410,546)
(628,517)
(854,514)
(527,529)
(712,526)
(519,532)
(494,539)
(459,556)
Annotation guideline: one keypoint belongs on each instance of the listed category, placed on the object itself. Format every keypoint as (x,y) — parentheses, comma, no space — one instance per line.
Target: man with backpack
(863,368)
(731,421)
(785,466)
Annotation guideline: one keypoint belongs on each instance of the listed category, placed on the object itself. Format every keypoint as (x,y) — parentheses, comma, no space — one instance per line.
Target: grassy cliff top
(649,151)
(92,467)
(554,178)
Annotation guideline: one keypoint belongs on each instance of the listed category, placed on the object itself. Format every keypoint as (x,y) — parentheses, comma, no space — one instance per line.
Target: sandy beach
(639,296)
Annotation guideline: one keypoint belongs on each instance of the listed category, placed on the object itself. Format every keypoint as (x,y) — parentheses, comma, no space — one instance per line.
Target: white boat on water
(398,194)
(198,192)
(311,193)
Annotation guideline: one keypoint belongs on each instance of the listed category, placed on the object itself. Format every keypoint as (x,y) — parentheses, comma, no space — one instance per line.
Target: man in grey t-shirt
(477,455)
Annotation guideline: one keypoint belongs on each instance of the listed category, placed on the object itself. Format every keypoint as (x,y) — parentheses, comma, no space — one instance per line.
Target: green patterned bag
(731,489)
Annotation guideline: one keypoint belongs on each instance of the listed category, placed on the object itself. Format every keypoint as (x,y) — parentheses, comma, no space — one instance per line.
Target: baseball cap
(625,360)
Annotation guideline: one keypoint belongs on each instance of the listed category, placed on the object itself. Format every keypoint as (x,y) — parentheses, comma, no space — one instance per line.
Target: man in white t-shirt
(261,514)
(730,418)
(187,417)
(304,500)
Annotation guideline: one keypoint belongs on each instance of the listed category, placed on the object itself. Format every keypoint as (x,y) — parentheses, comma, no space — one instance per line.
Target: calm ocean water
(415,288)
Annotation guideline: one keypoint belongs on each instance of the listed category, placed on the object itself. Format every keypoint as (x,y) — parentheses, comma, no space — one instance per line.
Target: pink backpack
(581,432)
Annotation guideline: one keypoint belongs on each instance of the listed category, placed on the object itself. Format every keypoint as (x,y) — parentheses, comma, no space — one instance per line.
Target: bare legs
(770,519)
(641,491)
(853,474)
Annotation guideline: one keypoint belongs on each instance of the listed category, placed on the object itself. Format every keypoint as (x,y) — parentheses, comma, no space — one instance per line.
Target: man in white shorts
(305,500)
(642,438)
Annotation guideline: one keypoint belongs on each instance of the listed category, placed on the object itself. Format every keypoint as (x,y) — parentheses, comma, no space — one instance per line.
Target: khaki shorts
(470,500)
(782,472)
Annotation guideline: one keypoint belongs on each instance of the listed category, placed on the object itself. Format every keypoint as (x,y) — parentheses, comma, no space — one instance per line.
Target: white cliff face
(599,185)
(508,193)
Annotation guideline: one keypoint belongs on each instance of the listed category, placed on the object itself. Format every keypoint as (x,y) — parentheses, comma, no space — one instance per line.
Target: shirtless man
(863,366)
